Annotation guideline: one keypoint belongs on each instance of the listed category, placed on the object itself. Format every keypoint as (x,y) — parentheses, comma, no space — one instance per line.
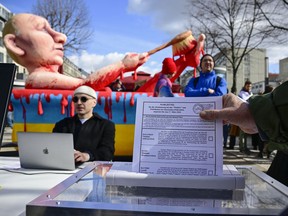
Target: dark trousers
(225,134)
(232,141)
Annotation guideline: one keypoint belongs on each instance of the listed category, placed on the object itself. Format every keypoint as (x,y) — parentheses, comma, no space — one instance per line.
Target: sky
(123,26)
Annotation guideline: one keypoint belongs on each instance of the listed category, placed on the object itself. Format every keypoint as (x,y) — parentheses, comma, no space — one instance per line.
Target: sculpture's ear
(11,45)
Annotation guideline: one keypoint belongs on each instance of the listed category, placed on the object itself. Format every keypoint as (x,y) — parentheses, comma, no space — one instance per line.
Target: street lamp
(266,71)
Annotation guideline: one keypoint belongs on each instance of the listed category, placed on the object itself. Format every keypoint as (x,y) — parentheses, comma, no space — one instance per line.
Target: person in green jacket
(266,114)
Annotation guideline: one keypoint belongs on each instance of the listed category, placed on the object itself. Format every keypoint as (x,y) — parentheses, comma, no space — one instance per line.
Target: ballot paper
(171,138)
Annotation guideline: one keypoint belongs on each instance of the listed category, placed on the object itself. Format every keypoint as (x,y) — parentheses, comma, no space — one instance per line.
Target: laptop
(52,151)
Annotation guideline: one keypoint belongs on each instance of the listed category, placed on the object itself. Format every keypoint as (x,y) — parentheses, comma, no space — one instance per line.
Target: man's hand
(133,60)
(235,111)
(81,157)
(211,91)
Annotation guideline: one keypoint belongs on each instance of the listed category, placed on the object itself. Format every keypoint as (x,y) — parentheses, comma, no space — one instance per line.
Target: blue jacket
(206,81)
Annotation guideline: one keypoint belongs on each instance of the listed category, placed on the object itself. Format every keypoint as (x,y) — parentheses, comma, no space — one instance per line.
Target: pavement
(235,157)
(230,156)
(7,135)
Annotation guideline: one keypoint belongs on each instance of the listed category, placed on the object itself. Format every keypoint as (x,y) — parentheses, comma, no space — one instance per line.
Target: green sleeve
(270,112)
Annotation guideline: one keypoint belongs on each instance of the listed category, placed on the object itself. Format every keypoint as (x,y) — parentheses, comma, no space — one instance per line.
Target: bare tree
(275,13)
(232,27)
(69,17)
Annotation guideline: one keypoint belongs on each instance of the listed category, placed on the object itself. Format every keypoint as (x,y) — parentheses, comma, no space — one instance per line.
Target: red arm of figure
(104,76)
(190,58)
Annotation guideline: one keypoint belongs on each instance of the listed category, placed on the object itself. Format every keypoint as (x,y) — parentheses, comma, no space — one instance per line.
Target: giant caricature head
(31,42)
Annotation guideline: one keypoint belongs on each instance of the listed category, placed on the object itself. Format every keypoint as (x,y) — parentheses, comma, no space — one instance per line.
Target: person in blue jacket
(208,83)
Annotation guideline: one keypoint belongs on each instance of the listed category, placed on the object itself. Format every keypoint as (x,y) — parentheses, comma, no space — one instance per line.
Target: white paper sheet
(171,138)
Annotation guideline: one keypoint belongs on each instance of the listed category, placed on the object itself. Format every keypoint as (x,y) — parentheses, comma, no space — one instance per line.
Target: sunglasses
(82,99)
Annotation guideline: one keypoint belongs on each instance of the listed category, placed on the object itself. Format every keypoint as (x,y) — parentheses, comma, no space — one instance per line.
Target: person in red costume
(32,43)
(163,87)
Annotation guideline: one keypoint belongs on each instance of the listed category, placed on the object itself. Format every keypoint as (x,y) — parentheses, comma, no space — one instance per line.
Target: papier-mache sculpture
(31,42)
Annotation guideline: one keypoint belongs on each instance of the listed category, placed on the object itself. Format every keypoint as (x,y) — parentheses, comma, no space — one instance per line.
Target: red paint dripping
(132,101)
(124,108)
(47,98)
(108,102)
(64,104)
(135,75)
(40,107)
(106,107)
(99,100)
(118,95)
(27,93)
(23,115)
(72,109)
(10,106)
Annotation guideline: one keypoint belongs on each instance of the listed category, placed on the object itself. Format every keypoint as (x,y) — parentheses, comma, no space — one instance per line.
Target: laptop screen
(7,74)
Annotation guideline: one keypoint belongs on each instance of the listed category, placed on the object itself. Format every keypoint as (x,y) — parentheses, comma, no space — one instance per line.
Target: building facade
(5,14)
(283,69)
(251,68)
(70,69)
(259,87)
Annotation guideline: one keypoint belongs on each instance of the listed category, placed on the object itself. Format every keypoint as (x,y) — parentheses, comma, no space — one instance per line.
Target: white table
(19,187)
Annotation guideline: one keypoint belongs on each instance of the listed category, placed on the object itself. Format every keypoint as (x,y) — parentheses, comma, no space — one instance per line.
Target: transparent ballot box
(96,190)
